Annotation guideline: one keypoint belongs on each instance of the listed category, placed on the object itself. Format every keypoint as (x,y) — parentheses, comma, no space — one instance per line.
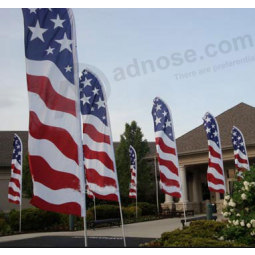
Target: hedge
(198,234)
(147,209)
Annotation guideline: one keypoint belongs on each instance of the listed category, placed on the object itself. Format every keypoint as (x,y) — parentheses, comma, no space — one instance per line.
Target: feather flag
(133,171)
(240,152)
(215,171)
(55,148)
(15,184)
(99,158)
(170,181)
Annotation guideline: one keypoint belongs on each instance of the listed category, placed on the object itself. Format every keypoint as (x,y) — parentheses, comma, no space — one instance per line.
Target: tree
(134,136)
(27,185)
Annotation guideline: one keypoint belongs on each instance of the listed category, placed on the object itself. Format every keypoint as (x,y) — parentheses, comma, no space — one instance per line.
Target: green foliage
(134,136)
(240,210)
(27,179)
(147,209)
(105,212)
(198,234)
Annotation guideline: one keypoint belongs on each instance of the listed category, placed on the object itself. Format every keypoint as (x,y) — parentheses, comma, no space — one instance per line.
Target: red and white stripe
(133,183)
(54,140)
(215,171)
(170,181)
(99,159)
(15,184)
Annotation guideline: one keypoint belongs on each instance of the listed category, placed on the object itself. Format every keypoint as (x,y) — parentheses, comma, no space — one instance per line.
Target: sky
(110,41)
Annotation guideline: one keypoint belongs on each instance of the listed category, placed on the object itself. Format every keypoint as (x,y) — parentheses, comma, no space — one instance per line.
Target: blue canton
(48,36)
(162,118)
(211,128)
(237,141)
(16,149)
(92,96)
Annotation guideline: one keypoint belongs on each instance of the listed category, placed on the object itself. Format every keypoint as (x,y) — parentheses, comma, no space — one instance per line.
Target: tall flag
(240,152)
(99,159)
(55,147)
(170,182)
(215,171)
(15,184)
(133,170)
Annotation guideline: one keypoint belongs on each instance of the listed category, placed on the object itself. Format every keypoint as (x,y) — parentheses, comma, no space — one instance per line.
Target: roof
(242,116)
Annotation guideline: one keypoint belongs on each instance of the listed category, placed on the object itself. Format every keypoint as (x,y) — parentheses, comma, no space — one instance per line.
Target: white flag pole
(156,180)
(78,114)
(20,207)
(95,212)
(114,162)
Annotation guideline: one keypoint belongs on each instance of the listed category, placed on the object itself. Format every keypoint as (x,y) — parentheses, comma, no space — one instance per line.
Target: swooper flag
(133,170)
(215,171)
(15,184)
(240,152)
(99,159)
(170,182)
(55,148)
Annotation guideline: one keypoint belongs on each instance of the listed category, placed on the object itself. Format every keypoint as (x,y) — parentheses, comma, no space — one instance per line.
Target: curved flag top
(170,182)
(133,171)
(99,159)
(55,149)
(215,171)
(240,152)
(15,184)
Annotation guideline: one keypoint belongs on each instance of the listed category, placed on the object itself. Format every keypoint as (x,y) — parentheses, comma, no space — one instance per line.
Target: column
(195,187)
(168,199)
(184,197)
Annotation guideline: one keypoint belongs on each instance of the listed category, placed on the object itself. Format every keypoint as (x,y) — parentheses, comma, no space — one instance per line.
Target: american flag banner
(55,147)
(170,181)
(133,170)
(15,184)
(99,159)
(240,152)
(215,171)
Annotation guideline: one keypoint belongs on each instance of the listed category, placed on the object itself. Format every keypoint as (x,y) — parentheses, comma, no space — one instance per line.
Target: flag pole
(156,180)
(20,206)
(95,212)
(78,114)
(114,162)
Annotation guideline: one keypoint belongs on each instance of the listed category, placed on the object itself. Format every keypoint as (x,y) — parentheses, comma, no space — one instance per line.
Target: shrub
(147,209)
(198,234)
(34,219)
(239,210)
(3,226)
(106,211)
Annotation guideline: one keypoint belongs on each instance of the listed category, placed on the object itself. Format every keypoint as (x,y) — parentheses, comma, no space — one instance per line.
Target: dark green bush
(34,219)
(198,234)
(106,211)
(147,209)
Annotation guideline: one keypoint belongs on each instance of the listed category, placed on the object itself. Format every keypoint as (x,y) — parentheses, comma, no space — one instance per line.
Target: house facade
(193,160)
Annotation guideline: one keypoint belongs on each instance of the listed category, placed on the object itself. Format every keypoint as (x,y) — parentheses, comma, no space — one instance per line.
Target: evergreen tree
(134,136)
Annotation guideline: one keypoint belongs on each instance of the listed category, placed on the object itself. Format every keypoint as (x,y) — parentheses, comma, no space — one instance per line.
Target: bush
(147,209)
(34,219)
(105,211)
(198,234)
(239,210)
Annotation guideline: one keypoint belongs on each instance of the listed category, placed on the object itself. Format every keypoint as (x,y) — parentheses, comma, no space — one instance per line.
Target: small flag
(240,152)
(54,144)
(215,171)
(15,184)
(99,159)
(133,170)
(170,182)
